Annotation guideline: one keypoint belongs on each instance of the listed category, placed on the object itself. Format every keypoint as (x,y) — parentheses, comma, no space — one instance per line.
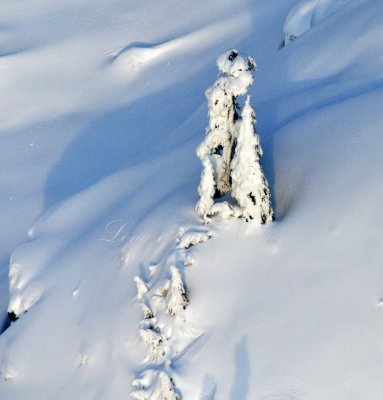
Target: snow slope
(101,112)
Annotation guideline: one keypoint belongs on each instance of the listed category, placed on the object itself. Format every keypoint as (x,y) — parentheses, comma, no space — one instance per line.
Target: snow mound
(133,58)
(308,13)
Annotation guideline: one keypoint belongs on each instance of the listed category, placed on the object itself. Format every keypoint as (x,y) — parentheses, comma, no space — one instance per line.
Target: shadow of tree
(209,388)
(241,383)
(124,137)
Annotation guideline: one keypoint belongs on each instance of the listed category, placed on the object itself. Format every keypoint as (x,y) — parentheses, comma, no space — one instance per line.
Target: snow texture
(308,13)
(101,111)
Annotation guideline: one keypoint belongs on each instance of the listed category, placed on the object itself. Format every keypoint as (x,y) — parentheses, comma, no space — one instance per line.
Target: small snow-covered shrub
(161,388)
(230,153)
(191,239)
(12,316)
(188,260)
(142,289)
(167,390)
(147,312)
(177,299)
(154,339)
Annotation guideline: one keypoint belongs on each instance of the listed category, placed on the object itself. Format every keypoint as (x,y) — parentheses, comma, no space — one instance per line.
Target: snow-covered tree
(177,299)
(154,339)
(161,388)
(231,151)
(167,391)
(216,151)
(235,78)
(142,289)
(249,185)
(206,189)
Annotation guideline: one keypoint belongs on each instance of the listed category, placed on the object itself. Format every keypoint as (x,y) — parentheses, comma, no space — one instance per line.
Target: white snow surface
(102,108)
(308,13)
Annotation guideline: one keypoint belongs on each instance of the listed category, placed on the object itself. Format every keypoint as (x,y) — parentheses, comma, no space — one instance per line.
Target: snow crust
(102,107)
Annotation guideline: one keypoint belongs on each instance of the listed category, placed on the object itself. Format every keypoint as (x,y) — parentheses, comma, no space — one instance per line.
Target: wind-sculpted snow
(73,269)
(102,108)
(307,14)
(134,58)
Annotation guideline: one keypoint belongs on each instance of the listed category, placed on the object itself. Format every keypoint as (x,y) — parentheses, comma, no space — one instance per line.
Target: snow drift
(102,110)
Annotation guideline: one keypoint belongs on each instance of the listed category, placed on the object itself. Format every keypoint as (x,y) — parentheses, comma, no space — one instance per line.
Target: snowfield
(121,291)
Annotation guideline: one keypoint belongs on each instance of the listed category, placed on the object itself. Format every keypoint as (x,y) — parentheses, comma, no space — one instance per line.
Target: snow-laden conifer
(153,337)
(177,299)
(235,76)
(206,190)
(142,289)
(146,311)
(162,388)
(230,153)
(216,151)
(139,394)
(249,185)
(167,391)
